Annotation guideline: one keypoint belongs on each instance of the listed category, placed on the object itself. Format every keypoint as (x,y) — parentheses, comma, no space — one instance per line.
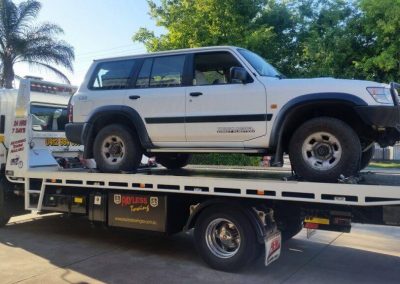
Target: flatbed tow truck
(237,215)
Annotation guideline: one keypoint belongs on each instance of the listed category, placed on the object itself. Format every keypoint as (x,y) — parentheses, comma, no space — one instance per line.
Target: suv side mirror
(239,74)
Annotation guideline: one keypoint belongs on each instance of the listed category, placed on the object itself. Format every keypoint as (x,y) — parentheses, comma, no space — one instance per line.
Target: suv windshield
(260,64)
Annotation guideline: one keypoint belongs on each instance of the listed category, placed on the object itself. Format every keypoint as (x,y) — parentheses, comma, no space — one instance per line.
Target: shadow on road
(60,249)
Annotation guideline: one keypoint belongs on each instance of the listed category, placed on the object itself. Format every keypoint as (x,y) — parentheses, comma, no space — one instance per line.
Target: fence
(388,153)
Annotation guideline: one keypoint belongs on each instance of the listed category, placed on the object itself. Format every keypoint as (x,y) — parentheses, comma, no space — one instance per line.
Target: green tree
(328,38)
(194,23)
(302,38)
(21,40)
(381,39)
(274,36)
(261,25)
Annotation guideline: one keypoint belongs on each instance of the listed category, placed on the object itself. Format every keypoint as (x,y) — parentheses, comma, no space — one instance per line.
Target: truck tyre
(366,157)
(4,214)
(324,148)
(225,239)
(173,161)
(115,149)
(290,228)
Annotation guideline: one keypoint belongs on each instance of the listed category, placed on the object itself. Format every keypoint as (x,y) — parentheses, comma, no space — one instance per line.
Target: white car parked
(230,100)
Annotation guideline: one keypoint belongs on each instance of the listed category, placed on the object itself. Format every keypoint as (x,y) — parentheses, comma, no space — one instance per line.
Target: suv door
(220,110)
(159,98)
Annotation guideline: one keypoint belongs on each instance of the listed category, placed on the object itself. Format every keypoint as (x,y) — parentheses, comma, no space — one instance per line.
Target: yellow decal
(316,220)
(78,200)
(139,208)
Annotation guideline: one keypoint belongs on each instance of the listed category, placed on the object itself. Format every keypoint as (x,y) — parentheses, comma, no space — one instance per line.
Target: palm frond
(23,41)
(27,11)
(54,70)
(50,52)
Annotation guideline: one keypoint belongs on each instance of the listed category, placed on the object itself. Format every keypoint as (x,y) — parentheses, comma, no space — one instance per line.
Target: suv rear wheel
(115,149)
(366,157)
(173,161)
(324,148)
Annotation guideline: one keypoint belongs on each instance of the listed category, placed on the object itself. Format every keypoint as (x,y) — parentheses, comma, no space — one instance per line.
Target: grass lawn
(386,165)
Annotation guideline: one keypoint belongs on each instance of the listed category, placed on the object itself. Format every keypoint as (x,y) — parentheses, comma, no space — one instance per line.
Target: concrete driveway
(56,249)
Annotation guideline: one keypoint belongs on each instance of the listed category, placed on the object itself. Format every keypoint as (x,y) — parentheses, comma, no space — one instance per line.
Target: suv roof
(168,52)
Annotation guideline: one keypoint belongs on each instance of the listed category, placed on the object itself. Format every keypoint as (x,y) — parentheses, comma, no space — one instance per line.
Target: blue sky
(96,29)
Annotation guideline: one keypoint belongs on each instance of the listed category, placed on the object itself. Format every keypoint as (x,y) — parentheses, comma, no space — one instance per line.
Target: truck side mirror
(239,74)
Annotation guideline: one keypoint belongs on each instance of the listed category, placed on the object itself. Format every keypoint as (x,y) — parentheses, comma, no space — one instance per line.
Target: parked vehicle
(227,99)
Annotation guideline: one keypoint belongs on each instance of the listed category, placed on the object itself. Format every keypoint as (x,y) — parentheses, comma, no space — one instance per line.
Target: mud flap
(273,244)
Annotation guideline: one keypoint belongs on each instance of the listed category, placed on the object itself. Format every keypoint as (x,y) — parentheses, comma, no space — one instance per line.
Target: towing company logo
(117,199)
(153,201)
(128,200)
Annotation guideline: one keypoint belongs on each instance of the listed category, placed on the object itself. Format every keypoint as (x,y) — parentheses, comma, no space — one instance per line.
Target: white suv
(228,100)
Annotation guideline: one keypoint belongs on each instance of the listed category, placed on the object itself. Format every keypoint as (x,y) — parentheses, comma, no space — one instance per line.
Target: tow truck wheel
(116,149)
(290,228)
(4,216)
(324,148)
(225,239)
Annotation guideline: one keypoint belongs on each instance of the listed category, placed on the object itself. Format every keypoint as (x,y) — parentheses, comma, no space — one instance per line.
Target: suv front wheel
(324,148)
(116,149)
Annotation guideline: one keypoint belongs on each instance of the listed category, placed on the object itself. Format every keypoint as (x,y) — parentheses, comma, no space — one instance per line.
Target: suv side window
(113,75)
(143,78)
(213,68)
(167,71)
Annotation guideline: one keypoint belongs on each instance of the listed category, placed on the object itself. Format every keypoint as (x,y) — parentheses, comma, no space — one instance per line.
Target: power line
(103,50)
(111,54)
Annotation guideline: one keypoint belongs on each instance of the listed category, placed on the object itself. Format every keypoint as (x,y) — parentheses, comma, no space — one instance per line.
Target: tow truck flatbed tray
(234,183)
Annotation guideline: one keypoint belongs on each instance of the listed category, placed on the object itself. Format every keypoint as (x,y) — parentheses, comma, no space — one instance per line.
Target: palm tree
(21,40)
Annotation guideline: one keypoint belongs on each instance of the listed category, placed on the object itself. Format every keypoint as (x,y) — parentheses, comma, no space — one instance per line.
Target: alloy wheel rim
(223,238)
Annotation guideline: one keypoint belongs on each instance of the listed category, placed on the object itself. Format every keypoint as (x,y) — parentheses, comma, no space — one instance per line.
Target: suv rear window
(113,75)
(166,71)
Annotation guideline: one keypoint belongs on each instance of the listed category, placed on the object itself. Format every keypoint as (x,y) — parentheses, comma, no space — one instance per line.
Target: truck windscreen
(48,118)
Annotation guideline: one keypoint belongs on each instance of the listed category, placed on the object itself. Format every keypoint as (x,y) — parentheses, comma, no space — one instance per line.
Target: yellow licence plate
(58,142)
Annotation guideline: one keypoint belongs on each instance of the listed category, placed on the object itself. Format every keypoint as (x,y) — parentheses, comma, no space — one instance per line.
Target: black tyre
(4,214)
(324,148)
(290,228)
(173,161)
(117,149)
(366,157)
(225,239)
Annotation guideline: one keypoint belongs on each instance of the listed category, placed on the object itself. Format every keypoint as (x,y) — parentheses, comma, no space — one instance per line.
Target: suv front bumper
(385,118)
(380,116)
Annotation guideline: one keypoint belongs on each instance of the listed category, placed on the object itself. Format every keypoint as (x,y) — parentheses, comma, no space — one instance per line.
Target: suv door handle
(134,97)
(196,94)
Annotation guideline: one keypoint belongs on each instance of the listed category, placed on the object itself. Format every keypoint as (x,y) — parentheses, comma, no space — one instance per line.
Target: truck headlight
(381,95)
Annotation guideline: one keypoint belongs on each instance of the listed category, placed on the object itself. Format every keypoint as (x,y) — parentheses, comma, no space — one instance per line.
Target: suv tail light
(70,111)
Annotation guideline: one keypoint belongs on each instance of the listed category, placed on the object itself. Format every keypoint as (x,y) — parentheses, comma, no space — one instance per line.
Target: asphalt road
(56,249)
